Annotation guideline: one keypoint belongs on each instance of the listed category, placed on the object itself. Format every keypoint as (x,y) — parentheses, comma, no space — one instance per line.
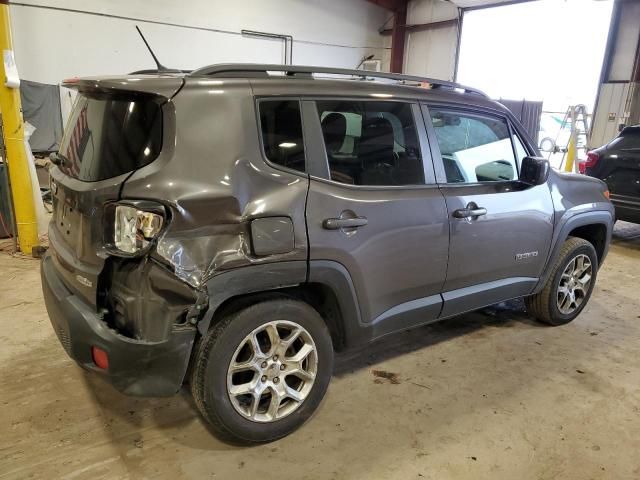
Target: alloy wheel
(272,371)
(574,284)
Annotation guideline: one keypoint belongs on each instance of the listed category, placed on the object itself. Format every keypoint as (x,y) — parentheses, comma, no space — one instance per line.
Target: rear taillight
(134,229)
(592,159)
(131,227)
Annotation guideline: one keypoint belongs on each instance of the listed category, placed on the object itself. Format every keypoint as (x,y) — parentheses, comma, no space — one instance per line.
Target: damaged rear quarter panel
(217,182)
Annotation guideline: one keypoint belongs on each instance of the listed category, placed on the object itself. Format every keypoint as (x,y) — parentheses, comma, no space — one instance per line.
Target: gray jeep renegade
(231,227)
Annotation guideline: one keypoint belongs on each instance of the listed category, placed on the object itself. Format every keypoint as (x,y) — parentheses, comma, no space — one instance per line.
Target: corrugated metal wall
(611,113)
(528,113)
(618,94)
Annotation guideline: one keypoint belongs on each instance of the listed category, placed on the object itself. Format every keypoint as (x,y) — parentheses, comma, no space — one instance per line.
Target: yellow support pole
(13,131)
(573,142)
(571,154)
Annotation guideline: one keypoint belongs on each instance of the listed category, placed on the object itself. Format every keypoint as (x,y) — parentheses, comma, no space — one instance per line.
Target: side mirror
(534,171)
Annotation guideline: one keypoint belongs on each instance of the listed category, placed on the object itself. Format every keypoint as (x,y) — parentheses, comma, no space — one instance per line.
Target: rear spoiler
(166,86)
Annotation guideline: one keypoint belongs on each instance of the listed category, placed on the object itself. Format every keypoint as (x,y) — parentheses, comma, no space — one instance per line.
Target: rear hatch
(116,127)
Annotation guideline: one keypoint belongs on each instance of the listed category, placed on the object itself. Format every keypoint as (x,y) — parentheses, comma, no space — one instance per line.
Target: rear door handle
(469,212)
(338,223)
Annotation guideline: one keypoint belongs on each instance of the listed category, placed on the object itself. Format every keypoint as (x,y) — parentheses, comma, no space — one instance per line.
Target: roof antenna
(161,68)
(364,59)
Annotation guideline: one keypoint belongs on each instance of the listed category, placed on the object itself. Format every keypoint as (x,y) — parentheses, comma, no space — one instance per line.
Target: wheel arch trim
(251,279)
(596,217)
(282,275)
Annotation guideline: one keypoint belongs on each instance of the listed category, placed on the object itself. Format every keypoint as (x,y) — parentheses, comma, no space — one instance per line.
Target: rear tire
(247,380)
(566,292)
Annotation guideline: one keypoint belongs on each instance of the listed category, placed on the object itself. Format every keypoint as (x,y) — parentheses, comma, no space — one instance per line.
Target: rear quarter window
(281,128)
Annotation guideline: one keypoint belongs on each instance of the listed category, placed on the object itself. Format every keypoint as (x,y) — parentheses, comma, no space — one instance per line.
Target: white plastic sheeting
(41,217)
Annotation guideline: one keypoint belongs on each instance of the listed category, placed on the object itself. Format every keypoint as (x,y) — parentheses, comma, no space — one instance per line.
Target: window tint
(474,148)
(110,135)
(282,133)
(371,143)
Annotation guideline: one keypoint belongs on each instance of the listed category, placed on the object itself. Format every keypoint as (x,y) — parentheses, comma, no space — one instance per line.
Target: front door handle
(470,211)
(338,223)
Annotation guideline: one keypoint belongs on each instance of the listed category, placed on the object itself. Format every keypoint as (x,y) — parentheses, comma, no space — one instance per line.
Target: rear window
(107,136)
(629,140)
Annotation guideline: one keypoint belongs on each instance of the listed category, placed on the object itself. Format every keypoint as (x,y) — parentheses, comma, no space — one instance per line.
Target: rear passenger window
(474,148)
(282,133)
(371,143)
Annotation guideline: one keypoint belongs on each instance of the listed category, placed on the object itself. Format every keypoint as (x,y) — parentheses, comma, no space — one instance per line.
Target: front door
(374,208)
(500,228)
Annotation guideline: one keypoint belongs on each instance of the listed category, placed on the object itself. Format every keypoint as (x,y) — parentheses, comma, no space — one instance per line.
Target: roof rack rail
(151,71)
(238,69)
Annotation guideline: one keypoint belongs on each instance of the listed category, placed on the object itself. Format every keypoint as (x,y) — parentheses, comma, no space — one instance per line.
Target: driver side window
(474,148)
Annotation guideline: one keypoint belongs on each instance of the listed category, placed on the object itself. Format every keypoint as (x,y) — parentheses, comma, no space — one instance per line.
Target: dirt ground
(486,395)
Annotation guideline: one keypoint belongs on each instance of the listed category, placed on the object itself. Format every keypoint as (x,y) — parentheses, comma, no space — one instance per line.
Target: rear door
(108,136)
(500,229)
(374,207)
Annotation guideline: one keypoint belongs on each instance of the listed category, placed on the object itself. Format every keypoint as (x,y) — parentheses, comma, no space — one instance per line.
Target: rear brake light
(100,358)
(592,159)
(606,194)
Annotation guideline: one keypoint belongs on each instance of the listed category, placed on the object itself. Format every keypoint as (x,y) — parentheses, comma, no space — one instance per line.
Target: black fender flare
(336,277)
(279,275)
(250,279)
(595,217)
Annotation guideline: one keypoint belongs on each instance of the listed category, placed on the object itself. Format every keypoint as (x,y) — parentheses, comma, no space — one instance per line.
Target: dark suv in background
(618,164)
(234,226)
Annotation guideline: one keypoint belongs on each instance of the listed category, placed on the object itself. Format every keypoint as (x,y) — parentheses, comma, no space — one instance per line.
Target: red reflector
(592,159)
(100,358)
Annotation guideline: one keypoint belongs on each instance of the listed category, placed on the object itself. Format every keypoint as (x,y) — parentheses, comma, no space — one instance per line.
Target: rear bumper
(135,367)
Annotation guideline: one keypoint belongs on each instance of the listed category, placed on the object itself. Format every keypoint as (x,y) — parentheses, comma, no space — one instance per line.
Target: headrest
(334,130)
(377,131)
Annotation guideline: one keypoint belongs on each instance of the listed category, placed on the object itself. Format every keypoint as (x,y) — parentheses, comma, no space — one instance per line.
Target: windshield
(110,135)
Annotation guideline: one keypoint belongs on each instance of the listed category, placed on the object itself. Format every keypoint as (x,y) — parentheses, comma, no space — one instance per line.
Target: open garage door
(544,50)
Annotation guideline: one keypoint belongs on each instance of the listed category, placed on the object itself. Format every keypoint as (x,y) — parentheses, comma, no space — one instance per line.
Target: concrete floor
(486,395)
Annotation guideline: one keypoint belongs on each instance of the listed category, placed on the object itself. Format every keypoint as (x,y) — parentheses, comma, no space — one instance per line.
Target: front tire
(569,286)
(261,372)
